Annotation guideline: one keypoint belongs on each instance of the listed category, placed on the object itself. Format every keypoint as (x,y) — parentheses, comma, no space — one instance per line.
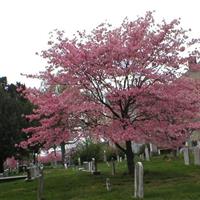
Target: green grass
(163,180)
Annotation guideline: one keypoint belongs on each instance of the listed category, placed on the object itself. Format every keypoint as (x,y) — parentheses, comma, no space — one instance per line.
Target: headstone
(65,165)
(17,167)
(108,164)
(108,184)
(146,151)
(104,156)
(79,161)
(159,153)
(90,165)
(55,164)
(86,165)
(28,170)
(33,172)
(153,149)
(139,188)
(118,159)
(186,155)
(197,156)
(40,185)
(94,167)
(177,151)
(142,156)
(136,147)
(125,157)
(113,167)
(6,172)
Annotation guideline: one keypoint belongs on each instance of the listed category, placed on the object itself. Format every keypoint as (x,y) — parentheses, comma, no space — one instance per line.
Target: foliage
(88,150)
(11,163)
(13,108)
(120,84)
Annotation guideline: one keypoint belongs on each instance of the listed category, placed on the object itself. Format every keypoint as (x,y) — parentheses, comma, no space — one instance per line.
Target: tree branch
(120,147)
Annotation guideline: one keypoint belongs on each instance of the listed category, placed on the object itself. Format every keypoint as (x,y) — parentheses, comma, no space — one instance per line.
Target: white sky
(25,25)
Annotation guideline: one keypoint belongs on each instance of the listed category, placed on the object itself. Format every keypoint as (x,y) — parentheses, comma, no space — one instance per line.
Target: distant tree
(86,150)
(13,108)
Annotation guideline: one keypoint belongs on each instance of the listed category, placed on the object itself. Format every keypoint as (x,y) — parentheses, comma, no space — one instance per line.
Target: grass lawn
(163,180)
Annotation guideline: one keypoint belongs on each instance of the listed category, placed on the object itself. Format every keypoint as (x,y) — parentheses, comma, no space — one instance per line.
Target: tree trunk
(130,158)
(1,166)
(62,145)
(34,158)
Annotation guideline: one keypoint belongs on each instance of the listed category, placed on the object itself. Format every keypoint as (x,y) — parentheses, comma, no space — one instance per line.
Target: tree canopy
(124,84)
(13,108)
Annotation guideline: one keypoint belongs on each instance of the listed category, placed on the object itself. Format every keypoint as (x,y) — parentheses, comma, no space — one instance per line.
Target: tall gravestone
(142,156)
(108,184)
(79,161)
(139,188)
(146,151)
(94,167)
(113,167)
(40,185)
(118,158)
(90,168)
(197,155)
(153,149)
(85,165)
(186,155)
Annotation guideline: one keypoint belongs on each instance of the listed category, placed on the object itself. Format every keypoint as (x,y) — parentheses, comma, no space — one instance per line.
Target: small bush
(86,151)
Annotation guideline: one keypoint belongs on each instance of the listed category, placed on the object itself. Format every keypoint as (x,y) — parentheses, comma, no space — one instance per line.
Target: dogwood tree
(126,84)
(55,116)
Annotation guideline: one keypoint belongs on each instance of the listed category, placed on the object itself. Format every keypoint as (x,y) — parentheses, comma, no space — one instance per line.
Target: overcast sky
(25,25)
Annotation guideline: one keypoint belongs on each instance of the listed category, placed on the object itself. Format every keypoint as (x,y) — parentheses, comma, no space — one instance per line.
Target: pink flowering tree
(55,116)
(11,163)
(123,84)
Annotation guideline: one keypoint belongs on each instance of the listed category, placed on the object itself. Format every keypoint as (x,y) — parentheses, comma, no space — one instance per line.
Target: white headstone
(108,184)
(40,184)
(94,168)
(118,159)
(86,165)
(197,156)
(142,156)
(136,147)
(146,150)
(125,157)
(104,156)
(90,166)
(186,155)
(153,148)
(139,188)
(79,161)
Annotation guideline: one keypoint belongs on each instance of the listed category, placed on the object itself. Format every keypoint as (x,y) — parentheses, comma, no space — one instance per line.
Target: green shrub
(112,152)
(86,151)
